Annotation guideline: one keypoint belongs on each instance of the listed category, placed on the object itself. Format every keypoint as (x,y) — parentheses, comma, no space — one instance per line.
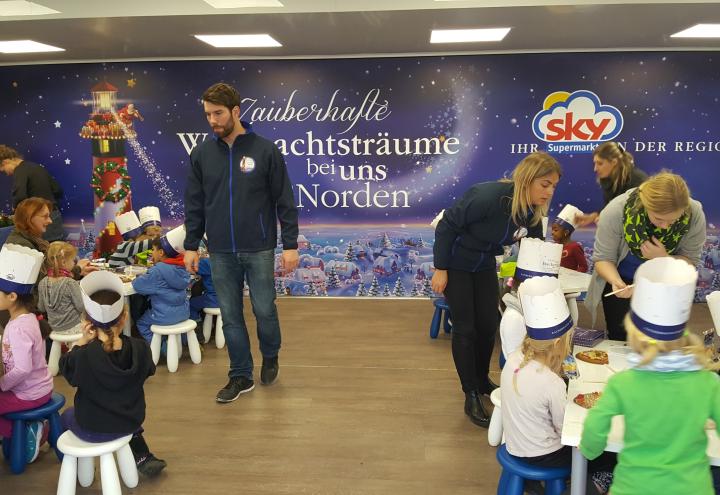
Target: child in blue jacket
(165,284)
(208,299)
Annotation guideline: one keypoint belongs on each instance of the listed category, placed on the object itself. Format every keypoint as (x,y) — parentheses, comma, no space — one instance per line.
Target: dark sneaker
(33,440)
(269,371)
(150,466)
(237,386)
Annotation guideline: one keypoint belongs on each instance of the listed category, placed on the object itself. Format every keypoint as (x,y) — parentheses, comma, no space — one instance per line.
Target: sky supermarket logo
(576,122)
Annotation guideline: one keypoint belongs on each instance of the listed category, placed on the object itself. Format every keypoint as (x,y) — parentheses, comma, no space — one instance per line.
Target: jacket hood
(175,276)
(111,374)
(512,301)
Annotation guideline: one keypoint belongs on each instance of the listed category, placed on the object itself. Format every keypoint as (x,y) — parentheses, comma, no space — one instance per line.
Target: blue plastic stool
(501,359)
(440,306)
(14,447)
(515,472)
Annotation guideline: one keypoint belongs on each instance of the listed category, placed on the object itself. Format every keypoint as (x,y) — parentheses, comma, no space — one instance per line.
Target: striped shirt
(123,255)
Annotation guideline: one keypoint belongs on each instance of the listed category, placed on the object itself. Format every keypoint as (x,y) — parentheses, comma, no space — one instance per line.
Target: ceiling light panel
(27,46)
(242,4)
(468,35)
(699,31)
(238,40)
(17,8)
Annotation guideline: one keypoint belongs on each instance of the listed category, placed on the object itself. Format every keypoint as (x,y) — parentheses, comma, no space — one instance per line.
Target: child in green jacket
(667,394)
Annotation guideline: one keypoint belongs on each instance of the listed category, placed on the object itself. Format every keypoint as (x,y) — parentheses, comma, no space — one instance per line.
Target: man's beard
(226,130)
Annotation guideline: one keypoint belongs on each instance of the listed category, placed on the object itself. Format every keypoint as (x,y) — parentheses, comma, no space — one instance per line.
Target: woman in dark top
(468,237)
(616,173)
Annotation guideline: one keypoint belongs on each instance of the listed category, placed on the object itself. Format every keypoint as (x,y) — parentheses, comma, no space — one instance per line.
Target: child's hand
(88,334)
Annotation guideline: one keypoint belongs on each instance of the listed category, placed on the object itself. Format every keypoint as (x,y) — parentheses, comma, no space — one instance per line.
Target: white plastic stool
(174,343)
(58,340)
(495,429)
(79,464)
(207,327)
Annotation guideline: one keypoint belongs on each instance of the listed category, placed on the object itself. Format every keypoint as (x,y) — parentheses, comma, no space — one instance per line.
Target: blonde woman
(616,173)
(532,388)
(667,394)
(471,233)
(655,220)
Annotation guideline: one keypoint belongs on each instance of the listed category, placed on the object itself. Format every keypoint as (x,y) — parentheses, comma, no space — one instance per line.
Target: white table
(592,378)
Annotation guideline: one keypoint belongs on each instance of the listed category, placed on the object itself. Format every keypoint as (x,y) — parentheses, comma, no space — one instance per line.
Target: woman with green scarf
(656,219)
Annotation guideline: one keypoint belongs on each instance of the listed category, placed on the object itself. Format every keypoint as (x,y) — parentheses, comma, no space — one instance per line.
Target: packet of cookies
(570,368)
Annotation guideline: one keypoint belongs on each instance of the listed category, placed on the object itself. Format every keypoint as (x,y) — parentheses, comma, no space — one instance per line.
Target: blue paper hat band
(132,233)
(566,225)
(100,324)
(151,223)
(524,274)
(655,331)
(551,332)
(167,248)
(10,286)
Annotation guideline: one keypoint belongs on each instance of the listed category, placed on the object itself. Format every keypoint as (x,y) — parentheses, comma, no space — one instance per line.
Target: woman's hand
(439,281)
(88,334)
(623,294)
(86,267)
(653,249)
(586,219)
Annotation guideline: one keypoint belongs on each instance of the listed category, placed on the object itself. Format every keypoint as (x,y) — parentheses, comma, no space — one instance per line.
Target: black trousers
(615,309)
(473,301)
(563,457)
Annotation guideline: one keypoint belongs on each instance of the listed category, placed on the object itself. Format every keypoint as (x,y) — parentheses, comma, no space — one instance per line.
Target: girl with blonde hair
(533,392)
(616,173)
(667,394)
(655,220)
(59,293)
(470,234)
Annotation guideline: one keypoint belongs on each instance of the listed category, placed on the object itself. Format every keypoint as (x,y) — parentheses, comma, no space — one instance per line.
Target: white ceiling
(93,30)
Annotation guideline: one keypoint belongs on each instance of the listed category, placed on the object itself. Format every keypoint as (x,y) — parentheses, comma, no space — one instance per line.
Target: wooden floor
(366,403)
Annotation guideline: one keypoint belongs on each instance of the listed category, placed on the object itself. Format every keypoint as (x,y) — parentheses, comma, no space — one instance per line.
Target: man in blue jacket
(237,189)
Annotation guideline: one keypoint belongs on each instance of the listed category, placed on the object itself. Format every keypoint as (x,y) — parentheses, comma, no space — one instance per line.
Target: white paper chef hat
(150,215)
(538,258)
(129,225)
(713,302)
(544,308)
(102,315)
(172,242)
(19,268)
(566,217)
(662,297)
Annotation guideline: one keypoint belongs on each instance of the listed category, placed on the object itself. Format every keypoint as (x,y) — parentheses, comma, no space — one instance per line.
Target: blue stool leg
(56,430)
(435,324)
(502,484)
(446,322)
(6,448)
(17,447)
(515,485)
(554,487)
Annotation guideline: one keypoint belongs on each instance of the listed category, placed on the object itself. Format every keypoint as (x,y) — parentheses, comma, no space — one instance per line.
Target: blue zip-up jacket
(237,195)
(206,276)
(475,229)
(166,285)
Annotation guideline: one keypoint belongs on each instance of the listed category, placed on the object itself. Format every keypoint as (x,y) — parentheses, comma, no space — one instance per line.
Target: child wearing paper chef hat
(109,370)
(666,396)
(135,241)
(536,258)
(165,283)
(573,257)
(25,382)
(532,390)
(150,221)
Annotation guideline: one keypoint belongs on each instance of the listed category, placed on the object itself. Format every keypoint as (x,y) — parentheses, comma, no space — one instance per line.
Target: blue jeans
(229,271)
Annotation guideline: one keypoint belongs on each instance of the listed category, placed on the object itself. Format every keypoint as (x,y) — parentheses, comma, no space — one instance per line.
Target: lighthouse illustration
(108,129)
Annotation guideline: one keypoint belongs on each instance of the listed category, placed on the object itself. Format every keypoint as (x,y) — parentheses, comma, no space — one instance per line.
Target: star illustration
(67,161)
(131,82)
(428,169)
(57,124)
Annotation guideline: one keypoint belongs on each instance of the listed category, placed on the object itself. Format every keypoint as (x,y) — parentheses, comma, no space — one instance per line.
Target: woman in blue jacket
(166,284)
(471,233)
